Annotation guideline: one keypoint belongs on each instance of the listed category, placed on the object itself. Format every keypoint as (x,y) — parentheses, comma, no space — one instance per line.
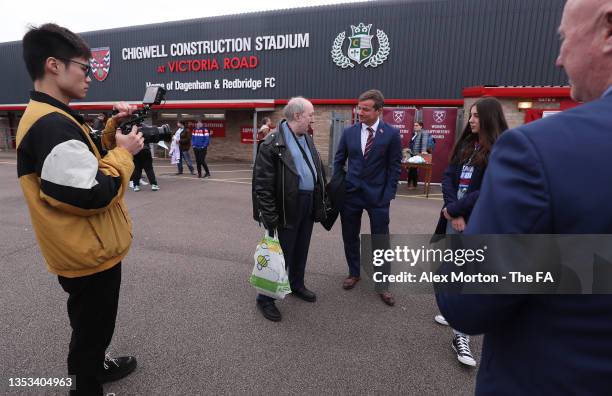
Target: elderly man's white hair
(296,105)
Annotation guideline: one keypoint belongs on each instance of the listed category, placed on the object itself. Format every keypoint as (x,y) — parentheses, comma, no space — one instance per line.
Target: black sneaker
(305,294)
(461,345)
(116,368)
(269,310)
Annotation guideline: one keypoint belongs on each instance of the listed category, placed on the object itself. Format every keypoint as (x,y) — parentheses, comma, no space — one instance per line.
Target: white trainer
(440,320)
(144,182)
(154,187)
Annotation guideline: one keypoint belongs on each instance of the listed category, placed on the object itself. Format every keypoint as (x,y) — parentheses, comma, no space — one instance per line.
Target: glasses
(84,66)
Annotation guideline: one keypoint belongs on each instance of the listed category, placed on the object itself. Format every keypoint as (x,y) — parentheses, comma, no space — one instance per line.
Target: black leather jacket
(275,183)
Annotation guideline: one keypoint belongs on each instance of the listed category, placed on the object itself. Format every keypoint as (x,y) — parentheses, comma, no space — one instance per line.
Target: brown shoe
(387,298)
(350,282)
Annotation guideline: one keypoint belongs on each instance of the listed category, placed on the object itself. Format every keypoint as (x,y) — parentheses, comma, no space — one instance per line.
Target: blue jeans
(187,158)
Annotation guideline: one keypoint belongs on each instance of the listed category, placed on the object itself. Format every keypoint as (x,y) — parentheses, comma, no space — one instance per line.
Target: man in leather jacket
(288,195)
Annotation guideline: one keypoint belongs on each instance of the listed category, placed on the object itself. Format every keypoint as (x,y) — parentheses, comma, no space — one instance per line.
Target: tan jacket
(74,196)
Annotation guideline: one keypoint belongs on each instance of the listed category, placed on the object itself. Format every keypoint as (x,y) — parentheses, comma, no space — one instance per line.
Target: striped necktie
(369,143)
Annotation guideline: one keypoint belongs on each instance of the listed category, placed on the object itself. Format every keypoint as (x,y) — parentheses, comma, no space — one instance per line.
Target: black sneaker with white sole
(461,345)
(116,368)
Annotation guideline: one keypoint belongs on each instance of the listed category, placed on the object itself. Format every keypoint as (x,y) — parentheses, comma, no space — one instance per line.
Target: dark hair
(51,40)
(492,124)
(265,120)
(420,123)
(376,96)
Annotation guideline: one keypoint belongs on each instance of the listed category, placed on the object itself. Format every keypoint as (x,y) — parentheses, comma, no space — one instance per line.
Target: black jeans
(92,309)
(143,160)
(413,177)
(295,243)
(200,154)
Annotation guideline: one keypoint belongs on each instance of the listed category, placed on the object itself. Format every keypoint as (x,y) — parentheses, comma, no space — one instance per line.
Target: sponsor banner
(246,134)
(403,119)
(216,128)
(441,124)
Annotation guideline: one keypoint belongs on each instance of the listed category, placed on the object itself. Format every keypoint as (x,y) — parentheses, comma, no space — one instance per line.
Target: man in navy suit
(374,153)
(553,176)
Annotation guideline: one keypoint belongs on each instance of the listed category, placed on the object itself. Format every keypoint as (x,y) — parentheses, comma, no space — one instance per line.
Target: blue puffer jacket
(200,138)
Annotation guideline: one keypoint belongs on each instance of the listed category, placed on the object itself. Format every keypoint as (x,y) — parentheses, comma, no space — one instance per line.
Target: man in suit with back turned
(374,152)
(550,344)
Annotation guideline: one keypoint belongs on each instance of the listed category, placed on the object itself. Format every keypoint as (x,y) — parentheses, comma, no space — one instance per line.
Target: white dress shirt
(365,133)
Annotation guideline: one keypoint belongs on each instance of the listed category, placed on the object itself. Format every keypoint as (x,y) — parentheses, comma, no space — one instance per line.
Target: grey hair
(296,105)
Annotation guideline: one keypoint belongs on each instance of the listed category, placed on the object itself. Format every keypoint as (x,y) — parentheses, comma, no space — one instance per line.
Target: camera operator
(75,199)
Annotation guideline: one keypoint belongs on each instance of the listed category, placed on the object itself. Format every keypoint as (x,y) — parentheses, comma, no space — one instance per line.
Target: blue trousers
(350,216)
(187,158)
(295,243)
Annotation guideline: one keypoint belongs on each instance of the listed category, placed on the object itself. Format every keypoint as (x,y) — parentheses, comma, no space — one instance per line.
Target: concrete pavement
(188,314)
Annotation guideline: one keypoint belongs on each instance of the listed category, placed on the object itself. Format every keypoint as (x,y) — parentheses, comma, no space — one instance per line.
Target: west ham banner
(441,122)
(401,118)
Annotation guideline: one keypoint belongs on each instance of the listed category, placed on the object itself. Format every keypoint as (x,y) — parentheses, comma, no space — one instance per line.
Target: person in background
(264,129)
(143,160)
(182,137)
(421,143)
(99,124)
(200,140)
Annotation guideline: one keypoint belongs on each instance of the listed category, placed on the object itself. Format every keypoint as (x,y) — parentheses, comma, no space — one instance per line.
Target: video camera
(152,134)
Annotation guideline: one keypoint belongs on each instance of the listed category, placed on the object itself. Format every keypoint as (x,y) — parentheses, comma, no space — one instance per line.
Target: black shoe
(269,310)
(305,294)
(116,368)
(178,173)
(192,172)
(207,175)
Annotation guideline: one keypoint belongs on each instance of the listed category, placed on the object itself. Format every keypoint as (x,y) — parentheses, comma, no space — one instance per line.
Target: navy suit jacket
(552,176)
(375,177)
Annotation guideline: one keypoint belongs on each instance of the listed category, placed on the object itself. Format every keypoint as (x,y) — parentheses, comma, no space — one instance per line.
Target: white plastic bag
(417,159)
(269,276)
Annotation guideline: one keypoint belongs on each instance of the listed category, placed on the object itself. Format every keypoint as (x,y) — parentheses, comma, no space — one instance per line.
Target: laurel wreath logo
(337,55)
(383,50)
(379,58)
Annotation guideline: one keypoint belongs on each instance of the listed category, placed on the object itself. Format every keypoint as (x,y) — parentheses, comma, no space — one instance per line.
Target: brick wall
(229,148)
